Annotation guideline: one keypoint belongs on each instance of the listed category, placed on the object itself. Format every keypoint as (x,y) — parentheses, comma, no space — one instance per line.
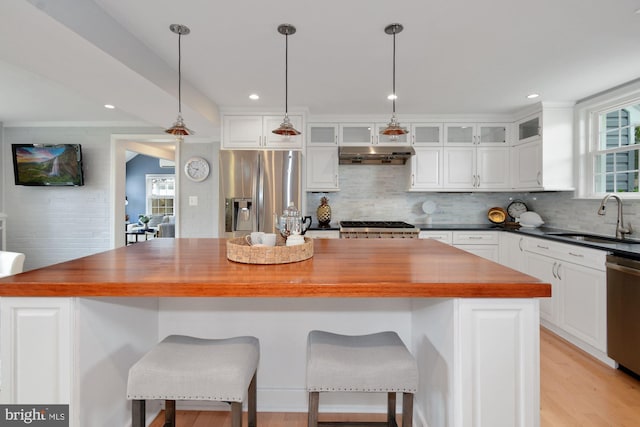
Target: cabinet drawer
(323,234)
(443,236)
(475,237)
(592,258)
(489,252)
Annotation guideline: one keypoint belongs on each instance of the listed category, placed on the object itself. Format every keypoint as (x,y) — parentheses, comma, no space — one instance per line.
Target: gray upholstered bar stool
(187,368)
(378,362)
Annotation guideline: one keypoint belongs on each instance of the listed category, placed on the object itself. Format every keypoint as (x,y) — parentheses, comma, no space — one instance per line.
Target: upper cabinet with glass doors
(322,134)
(529,129)
(464,134)
(356,134)
(426,134)
(359,134)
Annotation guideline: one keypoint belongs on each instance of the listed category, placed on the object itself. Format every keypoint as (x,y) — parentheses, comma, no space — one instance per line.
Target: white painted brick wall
(55,224)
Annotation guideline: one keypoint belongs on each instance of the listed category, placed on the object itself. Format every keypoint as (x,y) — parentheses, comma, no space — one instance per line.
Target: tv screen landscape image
(47,165)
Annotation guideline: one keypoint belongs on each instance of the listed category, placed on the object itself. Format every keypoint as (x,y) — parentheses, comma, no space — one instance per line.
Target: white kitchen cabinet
(481,243)
(255,132)
(429,134)
(322,168)
(511,251)
(476,156)
(426,169)
(583,303)
(36,350)
(357,134)
(322,134)
(440,235)
(544,268)
(527,165)
(464,134)
(543,159)
(476,168)
(528,129)
(577,308)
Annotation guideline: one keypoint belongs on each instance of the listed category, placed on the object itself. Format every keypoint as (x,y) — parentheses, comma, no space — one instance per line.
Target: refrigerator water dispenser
(239,215)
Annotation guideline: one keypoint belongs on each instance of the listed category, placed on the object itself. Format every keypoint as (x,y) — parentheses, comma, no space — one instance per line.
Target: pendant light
(286,128)
(179,129)
(394,129)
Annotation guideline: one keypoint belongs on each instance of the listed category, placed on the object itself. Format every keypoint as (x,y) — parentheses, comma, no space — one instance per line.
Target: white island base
(478,358)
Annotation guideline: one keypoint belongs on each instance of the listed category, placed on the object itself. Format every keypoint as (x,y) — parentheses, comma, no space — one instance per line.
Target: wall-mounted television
(47,165)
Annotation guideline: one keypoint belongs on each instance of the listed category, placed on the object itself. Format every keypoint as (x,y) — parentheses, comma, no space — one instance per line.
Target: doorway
(158,146)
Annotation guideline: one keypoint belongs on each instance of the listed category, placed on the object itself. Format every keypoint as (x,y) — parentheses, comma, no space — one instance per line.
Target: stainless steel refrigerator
(255,184)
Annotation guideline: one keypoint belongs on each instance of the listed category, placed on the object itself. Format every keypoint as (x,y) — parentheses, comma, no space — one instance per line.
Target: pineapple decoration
(324,213)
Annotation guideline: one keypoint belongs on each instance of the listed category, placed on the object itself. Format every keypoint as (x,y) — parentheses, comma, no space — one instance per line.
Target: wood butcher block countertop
(339,268)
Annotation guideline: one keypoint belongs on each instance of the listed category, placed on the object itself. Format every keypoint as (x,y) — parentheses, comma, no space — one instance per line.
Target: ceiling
(61,60)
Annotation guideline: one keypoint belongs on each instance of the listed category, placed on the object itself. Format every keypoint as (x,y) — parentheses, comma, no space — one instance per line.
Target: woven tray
(238,250)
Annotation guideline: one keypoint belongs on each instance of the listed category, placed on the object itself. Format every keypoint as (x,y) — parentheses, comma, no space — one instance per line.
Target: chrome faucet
(621,230)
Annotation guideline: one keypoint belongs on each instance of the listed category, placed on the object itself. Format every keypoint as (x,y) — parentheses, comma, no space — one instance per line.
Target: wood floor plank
(576,390)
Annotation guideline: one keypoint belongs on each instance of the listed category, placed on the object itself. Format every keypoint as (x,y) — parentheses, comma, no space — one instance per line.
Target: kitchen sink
(593,238)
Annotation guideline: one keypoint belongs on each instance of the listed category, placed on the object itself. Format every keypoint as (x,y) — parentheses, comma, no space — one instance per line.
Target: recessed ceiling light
(533,95)
(392,97)
(254,97)
(109,106)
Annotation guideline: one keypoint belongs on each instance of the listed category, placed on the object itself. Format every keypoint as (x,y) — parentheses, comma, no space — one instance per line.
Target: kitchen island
(71,331)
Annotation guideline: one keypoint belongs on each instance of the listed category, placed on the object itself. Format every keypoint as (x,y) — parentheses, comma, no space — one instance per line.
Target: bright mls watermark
(34,415)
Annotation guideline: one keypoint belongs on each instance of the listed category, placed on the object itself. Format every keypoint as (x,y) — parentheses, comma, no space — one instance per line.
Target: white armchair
(167,228)
(11,263)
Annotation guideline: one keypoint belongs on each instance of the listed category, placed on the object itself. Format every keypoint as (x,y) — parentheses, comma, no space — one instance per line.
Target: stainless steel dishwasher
(623,312)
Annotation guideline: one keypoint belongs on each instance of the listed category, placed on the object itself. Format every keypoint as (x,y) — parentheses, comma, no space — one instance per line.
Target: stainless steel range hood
(375,155)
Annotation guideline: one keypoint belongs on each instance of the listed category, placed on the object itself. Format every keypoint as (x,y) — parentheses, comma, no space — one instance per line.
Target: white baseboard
(587,348)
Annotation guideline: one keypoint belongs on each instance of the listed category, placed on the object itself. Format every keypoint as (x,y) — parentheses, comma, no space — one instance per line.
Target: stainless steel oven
(623,312)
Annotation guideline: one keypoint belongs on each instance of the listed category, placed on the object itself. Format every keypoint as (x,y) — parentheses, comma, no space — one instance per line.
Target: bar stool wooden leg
(138,413)
(169,413)
(236,414)
(407,409)
(251,401)
(314,404)
(391,409)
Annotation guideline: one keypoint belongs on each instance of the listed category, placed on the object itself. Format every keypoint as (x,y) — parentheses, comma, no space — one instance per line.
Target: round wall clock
(196,169)
(516,208)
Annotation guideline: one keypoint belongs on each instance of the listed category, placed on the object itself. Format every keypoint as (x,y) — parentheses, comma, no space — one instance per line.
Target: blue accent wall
(137,169)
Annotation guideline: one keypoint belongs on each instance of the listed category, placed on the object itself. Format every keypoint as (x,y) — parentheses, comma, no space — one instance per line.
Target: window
(617,146)
(161,191)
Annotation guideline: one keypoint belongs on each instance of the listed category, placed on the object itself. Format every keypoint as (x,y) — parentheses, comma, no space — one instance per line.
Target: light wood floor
(576,390)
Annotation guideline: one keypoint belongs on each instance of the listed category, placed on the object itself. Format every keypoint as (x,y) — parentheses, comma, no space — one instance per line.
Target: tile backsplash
(375,192)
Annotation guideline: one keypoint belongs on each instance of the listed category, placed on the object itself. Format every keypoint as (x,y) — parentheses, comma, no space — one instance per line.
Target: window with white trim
(616,150)
(161,192)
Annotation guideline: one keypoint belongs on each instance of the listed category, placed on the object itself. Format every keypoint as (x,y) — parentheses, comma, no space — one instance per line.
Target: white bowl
(530,220)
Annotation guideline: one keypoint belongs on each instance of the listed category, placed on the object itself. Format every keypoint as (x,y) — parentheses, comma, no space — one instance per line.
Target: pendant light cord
(286,74)
(394,72)
(179,75)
